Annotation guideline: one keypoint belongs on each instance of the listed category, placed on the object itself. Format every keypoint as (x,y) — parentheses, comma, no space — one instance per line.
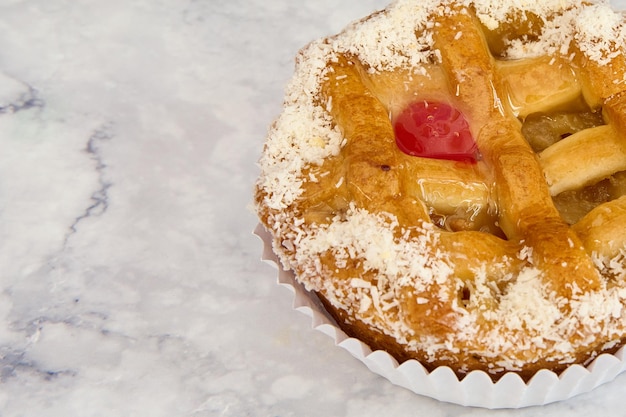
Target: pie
(449,178)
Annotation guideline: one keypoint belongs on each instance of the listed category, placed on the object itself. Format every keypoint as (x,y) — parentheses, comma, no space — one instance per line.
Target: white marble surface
(130,282)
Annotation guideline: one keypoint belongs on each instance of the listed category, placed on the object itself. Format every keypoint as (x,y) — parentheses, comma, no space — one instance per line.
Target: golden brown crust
(454,264)
(461,364)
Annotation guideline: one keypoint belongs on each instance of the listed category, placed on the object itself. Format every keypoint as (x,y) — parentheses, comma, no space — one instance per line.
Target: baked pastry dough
(501,245)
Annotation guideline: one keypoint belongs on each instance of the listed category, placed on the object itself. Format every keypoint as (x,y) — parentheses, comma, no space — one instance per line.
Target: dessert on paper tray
(449,177)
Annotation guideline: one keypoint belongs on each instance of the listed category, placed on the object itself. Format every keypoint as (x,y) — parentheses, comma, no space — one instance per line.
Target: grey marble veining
(130,281)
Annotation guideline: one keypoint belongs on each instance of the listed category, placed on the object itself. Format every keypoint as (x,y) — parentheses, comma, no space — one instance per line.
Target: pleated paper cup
(477,389)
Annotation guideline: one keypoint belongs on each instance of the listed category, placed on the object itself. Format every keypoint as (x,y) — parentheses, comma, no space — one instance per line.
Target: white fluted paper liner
(476,389)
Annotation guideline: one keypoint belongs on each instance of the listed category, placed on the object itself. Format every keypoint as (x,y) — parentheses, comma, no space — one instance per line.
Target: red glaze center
(435,130)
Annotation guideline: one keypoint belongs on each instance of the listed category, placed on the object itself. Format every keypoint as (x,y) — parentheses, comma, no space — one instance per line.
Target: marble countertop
(130,281)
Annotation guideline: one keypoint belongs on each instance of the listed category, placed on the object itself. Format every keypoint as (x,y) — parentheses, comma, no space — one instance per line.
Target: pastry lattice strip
(579,160)
(415,261)
(525,209)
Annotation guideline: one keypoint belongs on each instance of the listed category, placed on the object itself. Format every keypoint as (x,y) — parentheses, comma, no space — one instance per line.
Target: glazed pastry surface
(450,179)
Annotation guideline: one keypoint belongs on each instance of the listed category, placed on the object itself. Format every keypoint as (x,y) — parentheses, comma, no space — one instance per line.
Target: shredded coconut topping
(408,261)
(600,33)
(387,40)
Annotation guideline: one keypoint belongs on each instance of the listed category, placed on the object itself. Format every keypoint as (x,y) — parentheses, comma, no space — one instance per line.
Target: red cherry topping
(435,130)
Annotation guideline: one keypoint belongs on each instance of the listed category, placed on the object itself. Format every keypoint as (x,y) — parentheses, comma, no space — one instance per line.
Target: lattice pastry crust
(511,261)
